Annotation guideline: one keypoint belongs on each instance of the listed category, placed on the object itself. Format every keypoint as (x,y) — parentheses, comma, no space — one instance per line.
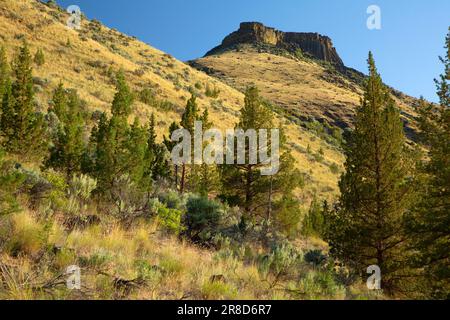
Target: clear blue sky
(406,49)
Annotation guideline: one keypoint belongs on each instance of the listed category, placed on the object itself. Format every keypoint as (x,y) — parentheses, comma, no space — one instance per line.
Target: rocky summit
(312,44)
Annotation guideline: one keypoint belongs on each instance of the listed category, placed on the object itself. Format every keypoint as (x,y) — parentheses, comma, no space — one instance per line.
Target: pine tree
(26,132)
(431,221)
(376,190)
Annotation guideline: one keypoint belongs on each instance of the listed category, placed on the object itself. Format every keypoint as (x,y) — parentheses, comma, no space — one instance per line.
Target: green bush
(202,218)
(169,218)
(10,181)
(280,261)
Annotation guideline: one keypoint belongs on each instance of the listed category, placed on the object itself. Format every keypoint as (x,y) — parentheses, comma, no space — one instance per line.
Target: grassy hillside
(149,241)
(86,59)
(305,88)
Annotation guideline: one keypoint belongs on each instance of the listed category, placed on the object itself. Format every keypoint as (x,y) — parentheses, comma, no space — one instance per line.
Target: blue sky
(406,48)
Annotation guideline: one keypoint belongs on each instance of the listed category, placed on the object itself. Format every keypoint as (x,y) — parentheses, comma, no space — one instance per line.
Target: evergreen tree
(244,185)
(188,119)
(4,72)
(169,144)
(123,99)
(376,190)
(68,147)
(39,58)
(59,103)
(313,222)
(431,221)
(205,179)
(157,164)
(119,148)
(10,181)
(25,129)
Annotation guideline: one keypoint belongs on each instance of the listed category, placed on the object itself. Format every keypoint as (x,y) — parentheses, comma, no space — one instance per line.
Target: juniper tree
(119,148)
(4,72)
(68,147)
(156,162)
(431,221)
(188,119)
(376,190)
(169,144)
(25,128)
(244,185)
(205,178)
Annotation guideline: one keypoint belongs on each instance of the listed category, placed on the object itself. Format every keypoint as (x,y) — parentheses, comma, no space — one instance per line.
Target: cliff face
(314,44)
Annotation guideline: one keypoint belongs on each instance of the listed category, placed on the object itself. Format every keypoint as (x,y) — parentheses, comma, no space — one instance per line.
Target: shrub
(212,93)
(170,219)
(39,57)
(147,96)
(10,180)
(315,257)
(334,168)
(202,218)
(314,222)
(280,261)
(172,200)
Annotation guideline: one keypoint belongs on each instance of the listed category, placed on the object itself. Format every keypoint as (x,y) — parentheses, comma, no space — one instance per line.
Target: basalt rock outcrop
(312,44)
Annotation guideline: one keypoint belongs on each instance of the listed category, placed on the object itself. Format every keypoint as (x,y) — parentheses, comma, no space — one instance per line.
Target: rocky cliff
(313,44)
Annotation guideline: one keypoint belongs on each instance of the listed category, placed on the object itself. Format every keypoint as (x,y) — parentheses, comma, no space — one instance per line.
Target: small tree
(39,57)
(25,130)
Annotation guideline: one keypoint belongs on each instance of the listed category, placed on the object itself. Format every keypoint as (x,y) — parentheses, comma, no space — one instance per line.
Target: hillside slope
(85,59)
(300,72)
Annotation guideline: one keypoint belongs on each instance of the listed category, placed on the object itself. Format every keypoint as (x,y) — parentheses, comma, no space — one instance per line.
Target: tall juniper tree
(23,127)
(431,221)
(376,190)
(68,146)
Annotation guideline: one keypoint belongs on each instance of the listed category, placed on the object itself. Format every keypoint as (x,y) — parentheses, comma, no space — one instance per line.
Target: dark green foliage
(23,128)
(260,196)
(313,222)
(68,148)
(4,72)
(156,157)
(10,181)
(123,99)
(376,191)
(202,217)
(116,150)
(431,221)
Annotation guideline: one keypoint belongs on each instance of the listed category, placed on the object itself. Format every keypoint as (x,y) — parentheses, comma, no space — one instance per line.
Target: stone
(314,44)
